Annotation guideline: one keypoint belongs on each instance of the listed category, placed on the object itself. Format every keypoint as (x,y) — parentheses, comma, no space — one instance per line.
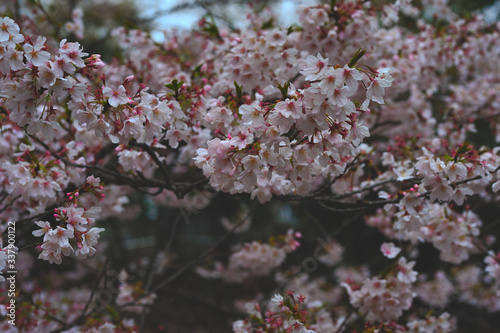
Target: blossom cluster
(385,298)
(75,223)
(284,314)
(284,147)
(254,259)
(132,297)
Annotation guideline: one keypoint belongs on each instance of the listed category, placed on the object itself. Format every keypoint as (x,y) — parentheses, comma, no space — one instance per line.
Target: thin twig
(10,203)
(27,219)
(151,274)
(192,262)
(25,247)
(364,189)
(318,224)
(96,285)
(341,327)
(181,190)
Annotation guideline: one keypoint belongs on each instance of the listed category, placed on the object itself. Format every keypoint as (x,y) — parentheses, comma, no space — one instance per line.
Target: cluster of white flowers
(452,233)
(254,259)
(493,266)
(311,134)
(441,324)
(333,255)
(75,223)
(385,298)
(131,296)
(283,314)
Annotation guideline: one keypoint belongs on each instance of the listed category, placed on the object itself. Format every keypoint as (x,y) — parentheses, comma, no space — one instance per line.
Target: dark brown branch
(104,151)
(180,189)
(345,207)
(119,178)
(364,189)
(161,166)
(37,216)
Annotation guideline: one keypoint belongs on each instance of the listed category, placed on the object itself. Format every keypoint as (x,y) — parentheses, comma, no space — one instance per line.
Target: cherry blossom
(390,250)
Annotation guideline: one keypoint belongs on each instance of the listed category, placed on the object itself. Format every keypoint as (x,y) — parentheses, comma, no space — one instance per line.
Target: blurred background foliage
(101,16)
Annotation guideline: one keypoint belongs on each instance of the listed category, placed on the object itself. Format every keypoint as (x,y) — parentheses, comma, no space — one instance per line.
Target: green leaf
(267,25)
(293,28)
(175,86)
(284,89)
(355,58)
(239,93)
(464,148)
(196,72)
(211,28)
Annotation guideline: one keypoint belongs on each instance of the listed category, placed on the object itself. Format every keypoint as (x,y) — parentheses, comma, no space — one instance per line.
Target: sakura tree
(347,169)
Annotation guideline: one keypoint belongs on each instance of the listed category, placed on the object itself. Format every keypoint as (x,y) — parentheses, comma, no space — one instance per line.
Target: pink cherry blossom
(116,97)
(390,250)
